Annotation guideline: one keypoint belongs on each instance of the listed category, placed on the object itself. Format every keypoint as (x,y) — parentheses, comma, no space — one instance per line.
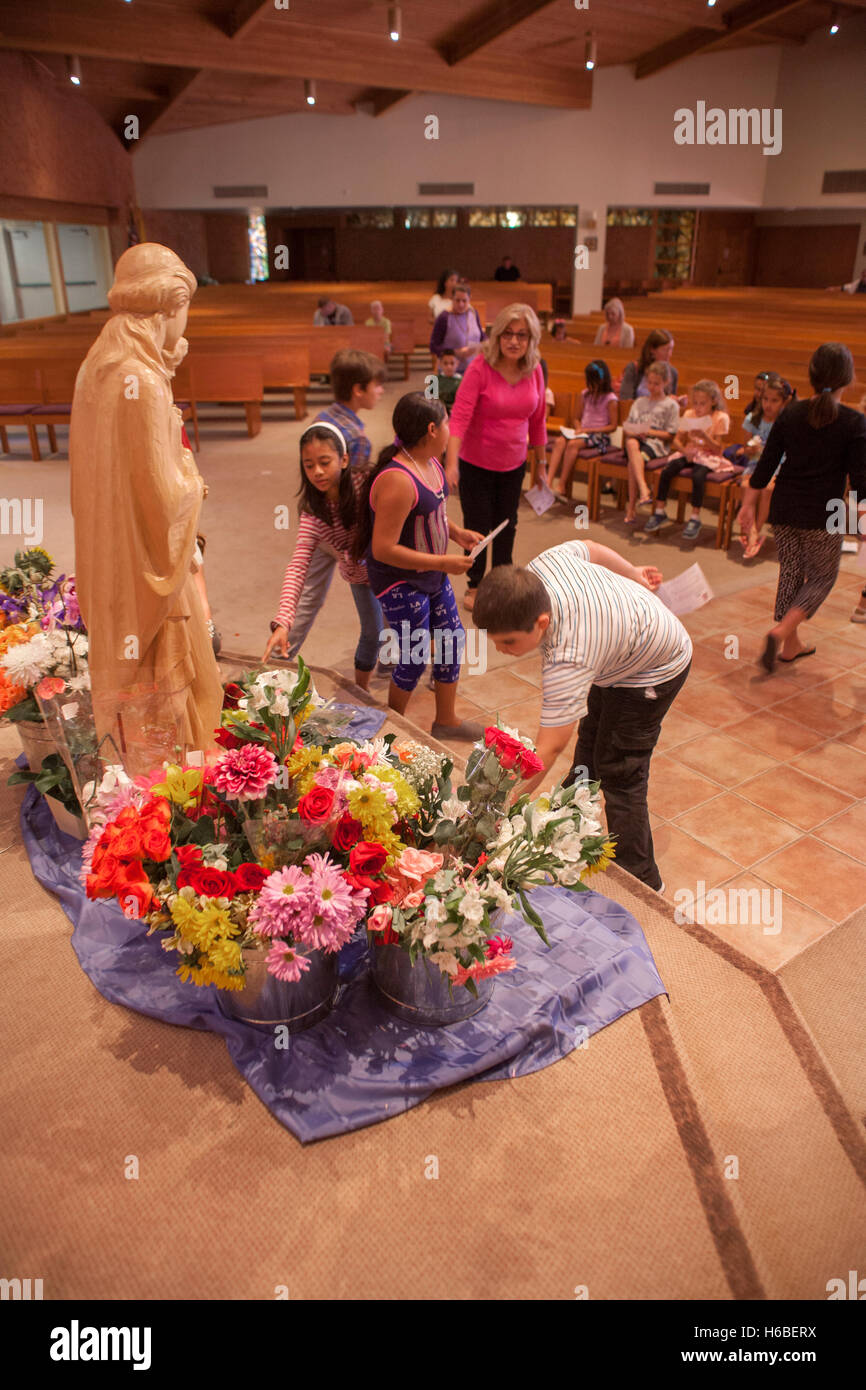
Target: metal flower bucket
(296,1004)
(419,993)
(36,740)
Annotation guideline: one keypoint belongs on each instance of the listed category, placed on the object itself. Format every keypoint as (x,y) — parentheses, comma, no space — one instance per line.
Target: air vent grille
(681,190)
(445,190)
(251,190)
(844,181)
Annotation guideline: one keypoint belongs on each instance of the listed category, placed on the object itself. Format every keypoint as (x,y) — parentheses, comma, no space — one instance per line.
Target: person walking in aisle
(499,408)
(821,447)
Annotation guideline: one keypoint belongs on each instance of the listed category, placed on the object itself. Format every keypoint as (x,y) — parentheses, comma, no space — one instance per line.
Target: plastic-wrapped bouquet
(43,645)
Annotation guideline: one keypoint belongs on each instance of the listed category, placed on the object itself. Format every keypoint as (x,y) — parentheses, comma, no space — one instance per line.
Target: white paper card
(540,498)
(482,545)
(69,711)
(686,592)
(567,433)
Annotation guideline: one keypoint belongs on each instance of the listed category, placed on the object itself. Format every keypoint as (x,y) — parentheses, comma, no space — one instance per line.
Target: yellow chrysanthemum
(392,843)
(407,798)
(303,766)
(608,851)
(180,787)
(368,805)
(225,956)
(303,715)
(190,974)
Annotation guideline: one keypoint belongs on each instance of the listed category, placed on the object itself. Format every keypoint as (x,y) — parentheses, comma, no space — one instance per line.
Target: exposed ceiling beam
(740,20)
(184,85)
(482,28)
(280,47)
(244,16)
(379,100)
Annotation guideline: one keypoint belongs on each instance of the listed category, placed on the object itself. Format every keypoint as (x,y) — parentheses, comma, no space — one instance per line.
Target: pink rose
(380,918)
(417,865)
(413,899)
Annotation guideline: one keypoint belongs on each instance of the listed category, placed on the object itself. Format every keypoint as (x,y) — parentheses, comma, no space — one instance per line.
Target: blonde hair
(619,306)
(531,357)
(711,389)
(659,369)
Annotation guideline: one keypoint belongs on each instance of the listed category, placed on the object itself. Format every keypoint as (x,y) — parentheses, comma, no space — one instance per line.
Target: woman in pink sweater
(498,411)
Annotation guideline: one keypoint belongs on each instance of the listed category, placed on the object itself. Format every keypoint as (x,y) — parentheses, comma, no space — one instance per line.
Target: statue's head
(151,279)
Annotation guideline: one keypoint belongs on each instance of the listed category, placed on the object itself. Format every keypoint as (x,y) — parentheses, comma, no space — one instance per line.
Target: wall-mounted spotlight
(834,22)
(310,91)
(395,23)
(73,71)
(590,52)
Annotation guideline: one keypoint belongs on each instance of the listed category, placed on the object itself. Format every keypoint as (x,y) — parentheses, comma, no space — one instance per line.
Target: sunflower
(608,852)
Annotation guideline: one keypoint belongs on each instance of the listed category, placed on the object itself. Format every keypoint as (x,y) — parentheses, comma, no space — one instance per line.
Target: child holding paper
(697,445)
(403,535)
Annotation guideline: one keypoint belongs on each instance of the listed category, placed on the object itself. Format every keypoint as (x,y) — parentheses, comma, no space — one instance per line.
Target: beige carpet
(609,1172)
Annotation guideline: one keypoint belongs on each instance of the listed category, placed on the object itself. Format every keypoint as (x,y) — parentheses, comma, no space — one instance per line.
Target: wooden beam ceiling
(194,41)
(740,20)
(244,16)
(481,29)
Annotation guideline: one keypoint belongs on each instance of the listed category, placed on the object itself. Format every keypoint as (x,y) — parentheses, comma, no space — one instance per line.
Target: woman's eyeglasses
(518,337)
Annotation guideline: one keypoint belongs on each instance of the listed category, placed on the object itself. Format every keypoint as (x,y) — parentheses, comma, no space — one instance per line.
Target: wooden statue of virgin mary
(136,498)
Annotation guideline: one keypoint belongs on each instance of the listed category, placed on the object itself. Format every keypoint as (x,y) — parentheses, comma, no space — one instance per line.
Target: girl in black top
(824,448)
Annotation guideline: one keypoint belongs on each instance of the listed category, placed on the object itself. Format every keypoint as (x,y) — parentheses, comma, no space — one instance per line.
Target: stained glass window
(483,217)
(416,217)
(444,217)
(380,218)
(258,239)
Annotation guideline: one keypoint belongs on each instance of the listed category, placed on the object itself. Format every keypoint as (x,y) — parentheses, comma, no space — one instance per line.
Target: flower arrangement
(295,835)
(43,645)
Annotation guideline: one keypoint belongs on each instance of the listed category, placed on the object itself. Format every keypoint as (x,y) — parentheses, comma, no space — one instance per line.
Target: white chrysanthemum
(79,682)
(27,663)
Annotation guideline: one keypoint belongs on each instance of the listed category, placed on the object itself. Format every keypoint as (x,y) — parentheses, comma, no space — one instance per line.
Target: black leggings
(488,497)
(675,464)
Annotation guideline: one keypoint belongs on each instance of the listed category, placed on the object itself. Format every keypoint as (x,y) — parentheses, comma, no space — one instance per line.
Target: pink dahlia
(244,774)
(499,946)
(284,961)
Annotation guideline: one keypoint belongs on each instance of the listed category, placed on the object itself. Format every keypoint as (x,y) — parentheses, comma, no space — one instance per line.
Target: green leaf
(463,793)
(471,986)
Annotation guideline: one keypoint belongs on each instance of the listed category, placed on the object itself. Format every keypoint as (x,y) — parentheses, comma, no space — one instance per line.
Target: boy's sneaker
(655,521)
(692,529)
(859,615)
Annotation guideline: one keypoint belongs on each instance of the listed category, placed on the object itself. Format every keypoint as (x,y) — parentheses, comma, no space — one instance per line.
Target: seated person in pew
(329,512)
(559,332)
(377,319)
(647,434)
(332,313)
(697,446)
(357,380)
(598,420)
(658,346)
(776,395)
(751,421)
(447,380)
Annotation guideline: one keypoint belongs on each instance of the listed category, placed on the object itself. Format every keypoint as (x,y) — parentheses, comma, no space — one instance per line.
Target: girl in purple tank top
(403,537)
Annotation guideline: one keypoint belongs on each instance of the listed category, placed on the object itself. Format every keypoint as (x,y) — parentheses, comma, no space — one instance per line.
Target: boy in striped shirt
(614,658)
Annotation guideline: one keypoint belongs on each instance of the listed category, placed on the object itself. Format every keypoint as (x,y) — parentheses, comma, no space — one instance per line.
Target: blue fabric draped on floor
(360,1065)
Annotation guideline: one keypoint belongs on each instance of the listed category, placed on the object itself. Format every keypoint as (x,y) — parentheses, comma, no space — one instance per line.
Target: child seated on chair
(598,420)
(776,395)
(647,434)
(699,449)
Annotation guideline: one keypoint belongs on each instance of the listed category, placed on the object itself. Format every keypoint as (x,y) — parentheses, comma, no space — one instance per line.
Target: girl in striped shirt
(329,510)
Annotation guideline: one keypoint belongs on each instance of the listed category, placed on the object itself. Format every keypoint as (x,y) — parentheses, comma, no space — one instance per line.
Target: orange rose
(155,845)
(128,844)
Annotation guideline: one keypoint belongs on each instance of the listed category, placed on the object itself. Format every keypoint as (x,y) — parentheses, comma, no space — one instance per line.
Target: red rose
(508,750)
(530,763)
(367,858)
(347,833)
(156,845)
(378,889)
(136,899)
(128,844)
(317,805)
(226,739)
(250,877)
(159,807)
(188,855)
(231,695)
(211,883)
(125,818)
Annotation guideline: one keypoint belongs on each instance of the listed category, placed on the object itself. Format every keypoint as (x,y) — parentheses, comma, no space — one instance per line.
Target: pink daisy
(285,963)
(282,903)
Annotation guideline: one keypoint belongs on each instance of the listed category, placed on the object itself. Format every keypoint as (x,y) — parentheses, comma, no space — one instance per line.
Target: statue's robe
(136,498)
